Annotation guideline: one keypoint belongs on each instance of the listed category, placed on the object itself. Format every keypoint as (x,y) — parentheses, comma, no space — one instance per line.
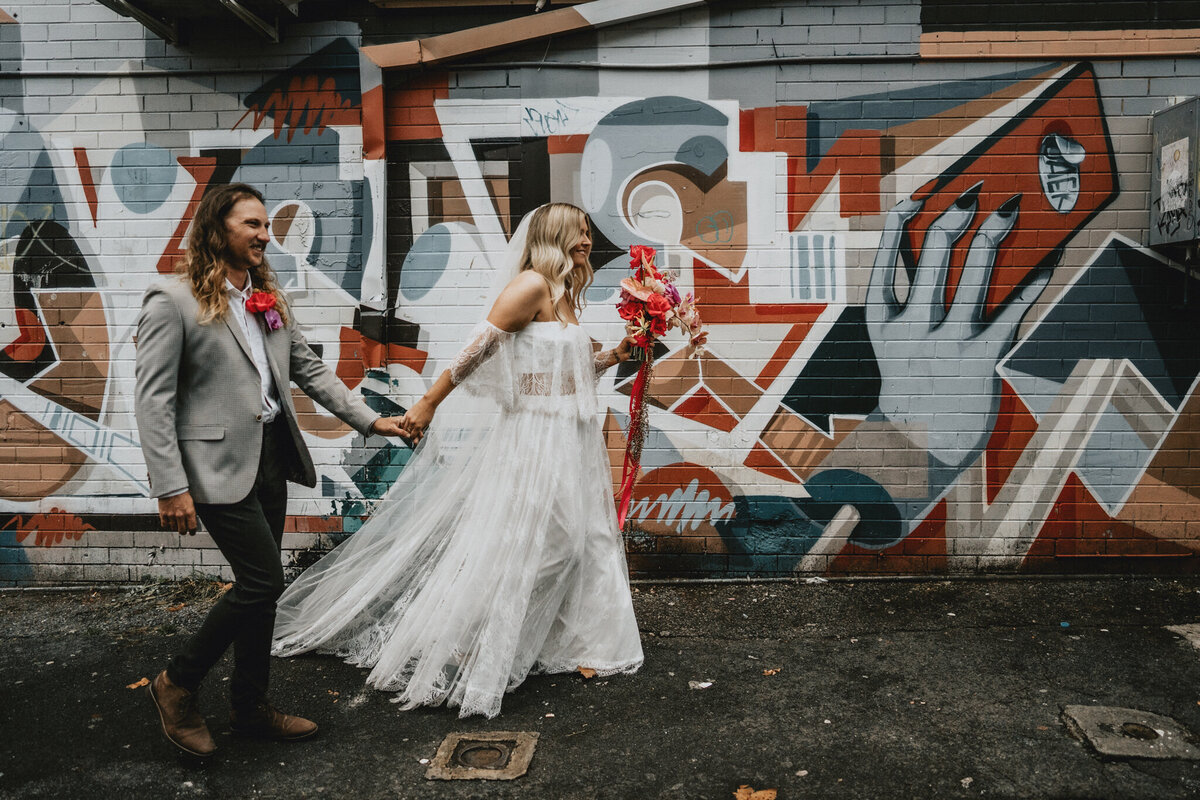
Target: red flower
(259,302)
(657,305)
(629,310)
(640,253)
(643,341)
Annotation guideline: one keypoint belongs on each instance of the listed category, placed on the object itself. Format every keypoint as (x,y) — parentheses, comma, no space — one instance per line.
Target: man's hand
(389,426)
(417,419)
(177,513)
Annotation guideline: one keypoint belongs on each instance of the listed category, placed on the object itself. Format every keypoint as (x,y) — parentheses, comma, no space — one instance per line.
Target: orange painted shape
(87,181)
(702,407)
(409,110)
(374,125)
(350,367)
(201,168)
(31,341)
(764,461)
(783,353)
(572,143)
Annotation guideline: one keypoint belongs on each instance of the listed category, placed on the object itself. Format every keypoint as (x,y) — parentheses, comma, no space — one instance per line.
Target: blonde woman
(496,553)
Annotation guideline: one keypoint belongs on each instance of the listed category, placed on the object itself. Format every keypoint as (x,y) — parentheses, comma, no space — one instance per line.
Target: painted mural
(904,373)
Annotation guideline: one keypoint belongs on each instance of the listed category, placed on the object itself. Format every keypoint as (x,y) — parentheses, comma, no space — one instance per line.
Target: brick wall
(883,392)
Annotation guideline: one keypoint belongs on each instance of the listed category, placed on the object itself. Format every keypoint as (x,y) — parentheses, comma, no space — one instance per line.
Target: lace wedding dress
(496,552)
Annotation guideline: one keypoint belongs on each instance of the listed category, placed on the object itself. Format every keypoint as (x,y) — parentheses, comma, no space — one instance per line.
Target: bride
(496,552)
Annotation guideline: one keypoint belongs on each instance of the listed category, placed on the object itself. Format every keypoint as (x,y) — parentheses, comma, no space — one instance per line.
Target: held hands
(417,420)
(178,513)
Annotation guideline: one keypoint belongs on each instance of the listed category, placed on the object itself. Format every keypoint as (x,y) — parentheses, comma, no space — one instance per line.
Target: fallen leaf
(774,671)
(699,684)
(139,684)
(225,587)
(587,672)
(177,607)
(747,793)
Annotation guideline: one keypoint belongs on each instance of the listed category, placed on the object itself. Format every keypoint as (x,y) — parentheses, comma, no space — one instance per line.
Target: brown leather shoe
(267,722)
(182,723)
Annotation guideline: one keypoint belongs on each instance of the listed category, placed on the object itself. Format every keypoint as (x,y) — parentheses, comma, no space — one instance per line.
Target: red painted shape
(856,158)
(359,353)
(722,302)
(572,143)
(922,551)
(87,181)
(201,169)
(49,529)
(308,102)
(1079,527)
(1014,427)
(764,461)
(31,341)
(1007,165)
(702,407)
(410,113)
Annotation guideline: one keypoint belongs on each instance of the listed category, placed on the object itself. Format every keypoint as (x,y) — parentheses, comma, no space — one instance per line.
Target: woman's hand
(624,350)
(417,419)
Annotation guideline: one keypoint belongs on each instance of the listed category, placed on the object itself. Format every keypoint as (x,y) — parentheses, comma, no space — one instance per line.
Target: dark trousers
(249,534)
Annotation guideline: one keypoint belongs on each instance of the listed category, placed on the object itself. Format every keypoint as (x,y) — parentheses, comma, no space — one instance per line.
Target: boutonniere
(264,303)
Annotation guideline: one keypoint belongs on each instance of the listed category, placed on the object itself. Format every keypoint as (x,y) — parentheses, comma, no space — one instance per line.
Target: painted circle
(143,176)
(294,228)
(655,212)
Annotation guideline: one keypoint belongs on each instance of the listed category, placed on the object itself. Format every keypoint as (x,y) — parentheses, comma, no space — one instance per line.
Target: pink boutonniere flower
(264,303)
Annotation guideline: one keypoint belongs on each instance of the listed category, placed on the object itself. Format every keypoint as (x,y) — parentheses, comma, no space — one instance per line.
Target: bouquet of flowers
(650,305)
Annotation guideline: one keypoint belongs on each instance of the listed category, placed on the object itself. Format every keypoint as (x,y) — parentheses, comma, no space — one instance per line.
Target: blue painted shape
(14,564)
(426,262)
(664,111)
(1126,304)
(705,153)
(841,377)
(143,175)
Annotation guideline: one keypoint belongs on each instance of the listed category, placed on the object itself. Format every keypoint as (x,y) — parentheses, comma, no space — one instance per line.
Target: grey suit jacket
(198,398)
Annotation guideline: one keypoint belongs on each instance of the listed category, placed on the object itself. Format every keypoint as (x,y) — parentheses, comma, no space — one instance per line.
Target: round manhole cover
(483,756)
(1136,730)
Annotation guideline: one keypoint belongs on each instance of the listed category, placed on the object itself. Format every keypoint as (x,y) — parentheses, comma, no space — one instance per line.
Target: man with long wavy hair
(217,351)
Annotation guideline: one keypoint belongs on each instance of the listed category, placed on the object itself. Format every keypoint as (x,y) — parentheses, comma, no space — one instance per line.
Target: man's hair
(205,265)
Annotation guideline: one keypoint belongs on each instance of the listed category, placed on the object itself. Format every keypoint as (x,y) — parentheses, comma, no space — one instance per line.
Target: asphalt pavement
(846,689)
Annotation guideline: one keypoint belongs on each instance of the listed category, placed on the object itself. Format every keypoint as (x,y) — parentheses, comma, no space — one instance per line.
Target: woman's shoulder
(529,283)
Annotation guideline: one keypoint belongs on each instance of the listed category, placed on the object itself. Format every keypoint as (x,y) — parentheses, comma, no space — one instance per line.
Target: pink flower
(636,289)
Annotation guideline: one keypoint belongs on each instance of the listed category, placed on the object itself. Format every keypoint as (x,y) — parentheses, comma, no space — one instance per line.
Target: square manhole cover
(486,755)
(1130,733)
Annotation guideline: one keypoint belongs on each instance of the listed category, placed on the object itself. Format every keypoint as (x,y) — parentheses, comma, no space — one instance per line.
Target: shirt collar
(242,293)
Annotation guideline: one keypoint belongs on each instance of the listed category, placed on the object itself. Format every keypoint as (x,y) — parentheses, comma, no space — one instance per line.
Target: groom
(217,352)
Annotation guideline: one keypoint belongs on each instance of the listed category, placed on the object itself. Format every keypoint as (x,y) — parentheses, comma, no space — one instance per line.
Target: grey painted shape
(305,169)
(751,87)
(1113,460)
(1115,732)
(636,136)
(550,82)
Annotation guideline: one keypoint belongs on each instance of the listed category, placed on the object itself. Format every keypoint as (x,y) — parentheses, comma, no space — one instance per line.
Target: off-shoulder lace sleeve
(602,360)
(484,365)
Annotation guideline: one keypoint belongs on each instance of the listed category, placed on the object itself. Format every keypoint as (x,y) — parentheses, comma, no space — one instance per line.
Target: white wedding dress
(496,552)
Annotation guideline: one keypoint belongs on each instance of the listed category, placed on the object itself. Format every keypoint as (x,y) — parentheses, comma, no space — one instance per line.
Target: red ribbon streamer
(633,441)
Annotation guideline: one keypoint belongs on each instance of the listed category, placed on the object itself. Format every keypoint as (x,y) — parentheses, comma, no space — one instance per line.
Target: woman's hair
(553,232)
(204,264)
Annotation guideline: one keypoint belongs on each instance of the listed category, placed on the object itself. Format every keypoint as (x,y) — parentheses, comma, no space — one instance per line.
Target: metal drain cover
(1130,733)
(485,755)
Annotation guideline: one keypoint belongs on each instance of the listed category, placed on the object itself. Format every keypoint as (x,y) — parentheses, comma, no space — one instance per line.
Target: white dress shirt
(254,332)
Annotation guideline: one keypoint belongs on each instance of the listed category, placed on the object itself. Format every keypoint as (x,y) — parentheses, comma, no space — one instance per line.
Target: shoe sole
(256,735)
(163,725)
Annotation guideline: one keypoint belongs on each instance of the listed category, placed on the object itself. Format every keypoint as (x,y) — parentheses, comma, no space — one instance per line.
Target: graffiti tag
(685,509)
(548,122)
(1173,210)
(49,529)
